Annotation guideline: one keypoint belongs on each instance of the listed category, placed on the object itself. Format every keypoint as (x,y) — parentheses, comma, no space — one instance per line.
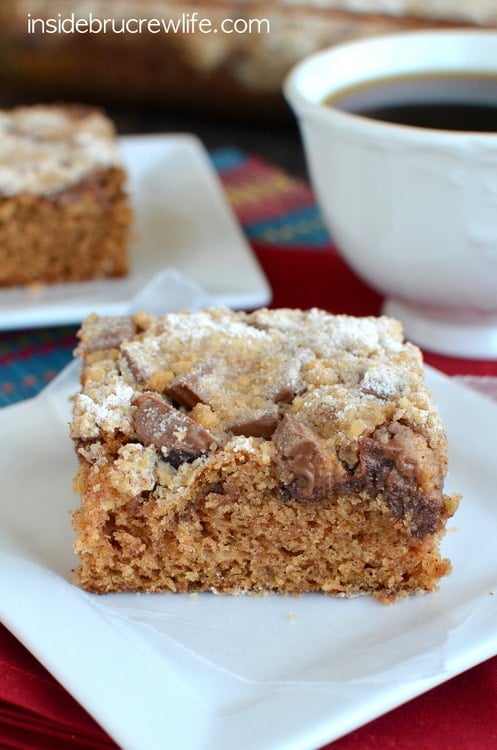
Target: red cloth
(37,714)
(35,711)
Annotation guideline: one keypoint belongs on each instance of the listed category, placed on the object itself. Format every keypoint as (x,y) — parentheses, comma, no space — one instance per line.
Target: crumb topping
(45,148)
(331,372)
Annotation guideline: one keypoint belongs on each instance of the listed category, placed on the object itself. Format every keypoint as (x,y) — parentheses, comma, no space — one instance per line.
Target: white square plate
(211,672)
(182,221)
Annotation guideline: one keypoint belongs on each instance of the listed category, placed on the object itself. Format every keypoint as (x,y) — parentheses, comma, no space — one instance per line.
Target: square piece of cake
(279,450)
(64,212)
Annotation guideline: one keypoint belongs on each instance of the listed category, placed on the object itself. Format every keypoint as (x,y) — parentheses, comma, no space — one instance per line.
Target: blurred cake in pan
(234,62)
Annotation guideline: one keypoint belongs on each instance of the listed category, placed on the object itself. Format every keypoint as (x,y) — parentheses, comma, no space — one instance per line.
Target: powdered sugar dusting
(384,382)
(194,327)
(237,373)
(44,149)
(106,407)
(328,334)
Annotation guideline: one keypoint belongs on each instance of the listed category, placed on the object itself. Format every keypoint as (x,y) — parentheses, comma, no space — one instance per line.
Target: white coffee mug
(413,210)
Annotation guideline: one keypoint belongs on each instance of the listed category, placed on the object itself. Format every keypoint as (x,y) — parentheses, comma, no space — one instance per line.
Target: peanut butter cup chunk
(105,333)
(279,450)
(260,423)
(196,386)
(178,437)
(308,470)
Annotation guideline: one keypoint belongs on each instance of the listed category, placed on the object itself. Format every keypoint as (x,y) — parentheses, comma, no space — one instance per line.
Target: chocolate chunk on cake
(278,450)
(64,212)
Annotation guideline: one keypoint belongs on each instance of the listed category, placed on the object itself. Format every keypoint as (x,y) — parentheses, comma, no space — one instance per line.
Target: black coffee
(445,102)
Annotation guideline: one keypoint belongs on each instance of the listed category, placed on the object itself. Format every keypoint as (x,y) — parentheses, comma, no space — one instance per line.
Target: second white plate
(182,221)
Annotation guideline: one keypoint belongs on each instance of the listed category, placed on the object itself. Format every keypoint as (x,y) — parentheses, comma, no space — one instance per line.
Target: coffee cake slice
(64,212)
(279,450)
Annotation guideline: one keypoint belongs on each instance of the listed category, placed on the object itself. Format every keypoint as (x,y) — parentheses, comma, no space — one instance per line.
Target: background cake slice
(64,212)
(279,450)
